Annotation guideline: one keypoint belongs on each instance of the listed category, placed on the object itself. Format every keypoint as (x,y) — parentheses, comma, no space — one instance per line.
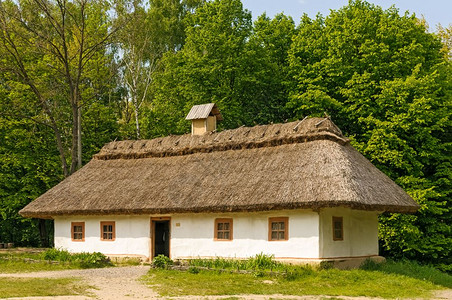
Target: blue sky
(434,11)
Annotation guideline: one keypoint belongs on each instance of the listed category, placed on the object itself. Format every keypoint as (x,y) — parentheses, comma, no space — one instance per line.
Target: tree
(28,164)
(55,40)
(225,60)
(206,69)
(263,86)
(385,82)
(445,34)
(53,58)
(149,30)
(138,61)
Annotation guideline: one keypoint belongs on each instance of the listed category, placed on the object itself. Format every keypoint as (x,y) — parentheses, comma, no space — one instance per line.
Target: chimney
(204,118)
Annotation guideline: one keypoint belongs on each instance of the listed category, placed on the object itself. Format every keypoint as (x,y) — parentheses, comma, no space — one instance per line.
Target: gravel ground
(109,283)
(123,283)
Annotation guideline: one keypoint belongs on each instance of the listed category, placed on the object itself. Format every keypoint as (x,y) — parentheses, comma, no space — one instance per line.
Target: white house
(298,191)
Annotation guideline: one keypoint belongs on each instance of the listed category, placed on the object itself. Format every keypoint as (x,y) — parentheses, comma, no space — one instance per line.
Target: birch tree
(139,62)
(150,30)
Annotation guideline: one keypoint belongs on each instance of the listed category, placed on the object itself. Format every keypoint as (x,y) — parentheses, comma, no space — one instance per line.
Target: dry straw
(305,164)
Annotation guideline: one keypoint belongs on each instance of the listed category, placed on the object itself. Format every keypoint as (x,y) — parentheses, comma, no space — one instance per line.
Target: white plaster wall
(132,235)
(360,233)
(194,237)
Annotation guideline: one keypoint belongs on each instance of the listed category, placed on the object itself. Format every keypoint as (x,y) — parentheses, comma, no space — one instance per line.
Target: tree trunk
(137,122)
(79,138)
(74,145)
(43,233)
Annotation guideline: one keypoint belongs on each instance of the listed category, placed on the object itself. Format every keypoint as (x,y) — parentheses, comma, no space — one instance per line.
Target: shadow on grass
(410,269)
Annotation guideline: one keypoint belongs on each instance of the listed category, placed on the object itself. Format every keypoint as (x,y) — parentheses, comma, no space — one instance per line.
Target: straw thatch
(303,164)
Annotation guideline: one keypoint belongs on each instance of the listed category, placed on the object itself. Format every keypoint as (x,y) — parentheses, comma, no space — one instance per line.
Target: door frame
(152,246)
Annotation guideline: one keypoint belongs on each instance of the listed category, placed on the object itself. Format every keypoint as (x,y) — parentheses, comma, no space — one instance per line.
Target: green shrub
(57,254)
(91,260)
(262,261)
(193,270)
(162,262)
(84,260)
(259,262)
(447,268)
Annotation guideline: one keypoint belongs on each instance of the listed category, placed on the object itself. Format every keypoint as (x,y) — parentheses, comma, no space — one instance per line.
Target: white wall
(132,235)
(194,237)
(360,233)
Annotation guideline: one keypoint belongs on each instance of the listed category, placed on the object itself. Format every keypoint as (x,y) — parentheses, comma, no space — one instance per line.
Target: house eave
(315,206)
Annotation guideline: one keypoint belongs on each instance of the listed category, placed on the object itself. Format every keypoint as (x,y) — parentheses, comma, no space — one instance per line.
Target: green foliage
(386,83)
(28,167)
(193,270)
(57,255)
(258,262)
(22,262)
(101,127)
(384,79)
(41,287)
(162,262)
(410,269)
(84,260)
(224,60)
(262,261)
(206,69)
(297,273)
(300,281)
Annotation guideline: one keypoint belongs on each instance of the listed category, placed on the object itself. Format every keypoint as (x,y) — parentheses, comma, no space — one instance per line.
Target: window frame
(341,220)
(286,228)
(106,223)
(73,224)
(231,229)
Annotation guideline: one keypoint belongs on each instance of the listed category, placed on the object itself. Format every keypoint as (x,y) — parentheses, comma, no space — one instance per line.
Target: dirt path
(109,283)
(123,283)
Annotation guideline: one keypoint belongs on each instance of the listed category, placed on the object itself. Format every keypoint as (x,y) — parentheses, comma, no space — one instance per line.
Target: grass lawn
(18,266)
(16,262)
(387,281)
(13,262)
(26,287)
(29,260)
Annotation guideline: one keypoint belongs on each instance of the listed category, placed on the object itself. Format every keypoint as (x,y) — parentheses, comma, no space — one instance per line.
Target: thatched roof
(303,164)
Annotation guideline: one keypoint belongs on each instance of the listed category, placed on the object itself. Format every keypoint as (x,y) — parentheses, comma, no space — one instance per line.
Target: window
(78,231)
(338,229)
(278,229)
(107,231)
(223,230)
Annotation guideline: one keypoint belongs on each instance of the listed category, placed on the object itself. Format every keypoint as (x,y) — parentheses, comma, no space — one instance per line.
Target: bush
(262,262)
(162,262)
(84,260)
(193,270)
(259,262)
(55,254)
(91,260)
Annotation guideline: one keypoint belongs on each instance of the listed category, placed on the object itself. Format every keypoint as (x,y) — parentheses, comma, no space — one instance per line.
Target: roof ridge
(259,136)
(310,166)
